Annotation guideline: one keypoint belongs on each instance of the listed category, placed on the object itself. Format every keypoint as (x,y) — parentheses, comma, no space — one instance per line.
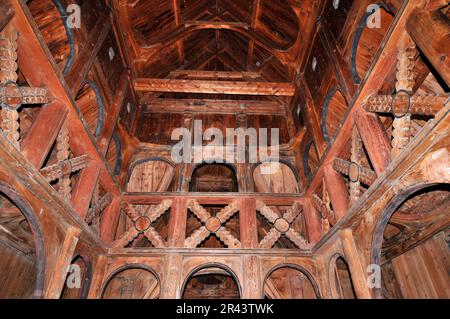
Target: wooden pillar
(357,271)
(172,280)
(338,192)
(97,278)
(39,141)
(252,285)
(375,139)
(61,268)
(431,32)
(248,223)
(313,222)
(177,223)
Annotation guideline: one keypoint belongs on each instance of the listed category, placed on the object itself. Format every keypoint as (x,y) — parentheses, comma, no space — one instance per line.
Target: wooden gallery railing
(180,205)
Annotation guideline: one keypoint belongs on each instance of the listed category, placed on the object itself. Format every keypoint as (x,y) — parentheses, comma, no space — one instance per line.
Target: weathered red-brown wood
(431,32)
(375,139)
(43,133)
(6,13)
(337,190)
(213,87)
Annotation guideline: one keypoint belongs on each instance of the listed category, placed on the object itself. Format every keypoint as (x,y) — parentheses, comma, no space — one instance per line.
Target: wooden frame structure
(81,215)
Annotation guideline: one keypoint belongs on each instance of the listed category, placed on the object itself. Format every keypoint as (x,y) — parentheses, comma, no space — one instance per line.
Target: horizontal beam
(213,87)
(215,74)
(211,106)
(217,24)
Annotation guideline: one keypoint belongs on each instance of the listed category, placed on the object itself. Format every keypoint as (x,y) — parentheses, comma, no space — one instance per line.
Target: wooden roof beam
(208,75)
(211,106)
(213,87)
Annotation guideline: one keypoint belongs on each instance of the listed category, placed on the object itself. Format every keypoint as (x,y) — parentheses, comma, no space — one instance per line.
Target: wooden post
(97,278)
(248,223)
(313,222)
(338,192)
(172,281)
(359,276)
(375,139)
(61,268)
(177,223)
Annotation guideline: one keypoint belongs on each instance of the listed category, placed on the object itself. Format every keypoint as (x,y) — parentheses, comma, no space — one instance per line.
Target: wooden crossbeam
(211,106)
(208,75)
(217,24)
(213,87)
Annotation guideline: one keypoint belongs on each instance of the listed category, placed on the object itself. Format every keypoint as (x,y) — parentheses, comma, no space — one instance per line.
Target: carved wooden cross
(142,224)
(12,96)
(404,103)
(282,226)
(212,225)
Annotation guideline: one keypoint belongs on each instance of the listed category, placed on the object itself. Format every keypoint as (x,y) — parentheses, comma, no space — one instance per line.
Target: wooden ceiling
(217,35)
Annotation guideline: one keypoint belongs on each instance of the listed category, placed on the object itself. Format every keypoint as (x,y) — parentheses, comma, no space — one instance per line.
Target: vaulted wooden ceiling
(261,36)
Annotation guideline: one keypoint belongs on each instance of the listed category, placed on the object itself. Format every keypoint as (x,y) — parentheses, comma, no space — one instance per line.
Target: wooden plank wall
(17,278)
(424,272)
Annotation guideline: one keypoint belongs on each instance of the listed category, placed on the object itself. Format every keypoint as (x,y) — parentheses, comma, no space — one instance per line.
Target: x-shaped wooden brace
(282,226)
(142,224)
(212,225)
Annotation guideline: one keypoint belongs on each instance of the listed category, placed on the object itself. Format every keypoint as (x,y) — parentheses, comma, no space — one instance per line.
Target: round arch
(33,221)
(221,266)
(296,267)
(124,268)
(385,216)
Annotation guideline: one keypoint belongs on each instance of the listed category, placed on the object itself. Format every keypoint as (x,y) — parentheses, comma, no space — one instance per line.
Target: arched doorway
(289,282)
(211,282)
(341,280)
(132,282)
(21,248)
(78,279)
(411,245)
(278,178)
(214,178)
(151,176)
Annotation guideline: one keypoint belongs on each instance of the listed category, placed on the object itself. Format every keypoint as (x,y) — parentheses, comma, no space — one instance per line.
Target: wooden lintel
(210,106)
(213,87)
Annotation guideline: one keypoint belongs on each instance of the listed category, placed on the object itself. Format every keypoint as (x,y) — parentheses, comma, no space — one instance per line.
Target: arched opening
(411,245)
(133,282)
(289,282)
(341,280)
(211,282)
(114,154)
(90,103)
(151,176)
(214,178)
(278,178)
(333,113)
(59,37)
(78,279)
(310,160)
(368,39)
(21,248)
